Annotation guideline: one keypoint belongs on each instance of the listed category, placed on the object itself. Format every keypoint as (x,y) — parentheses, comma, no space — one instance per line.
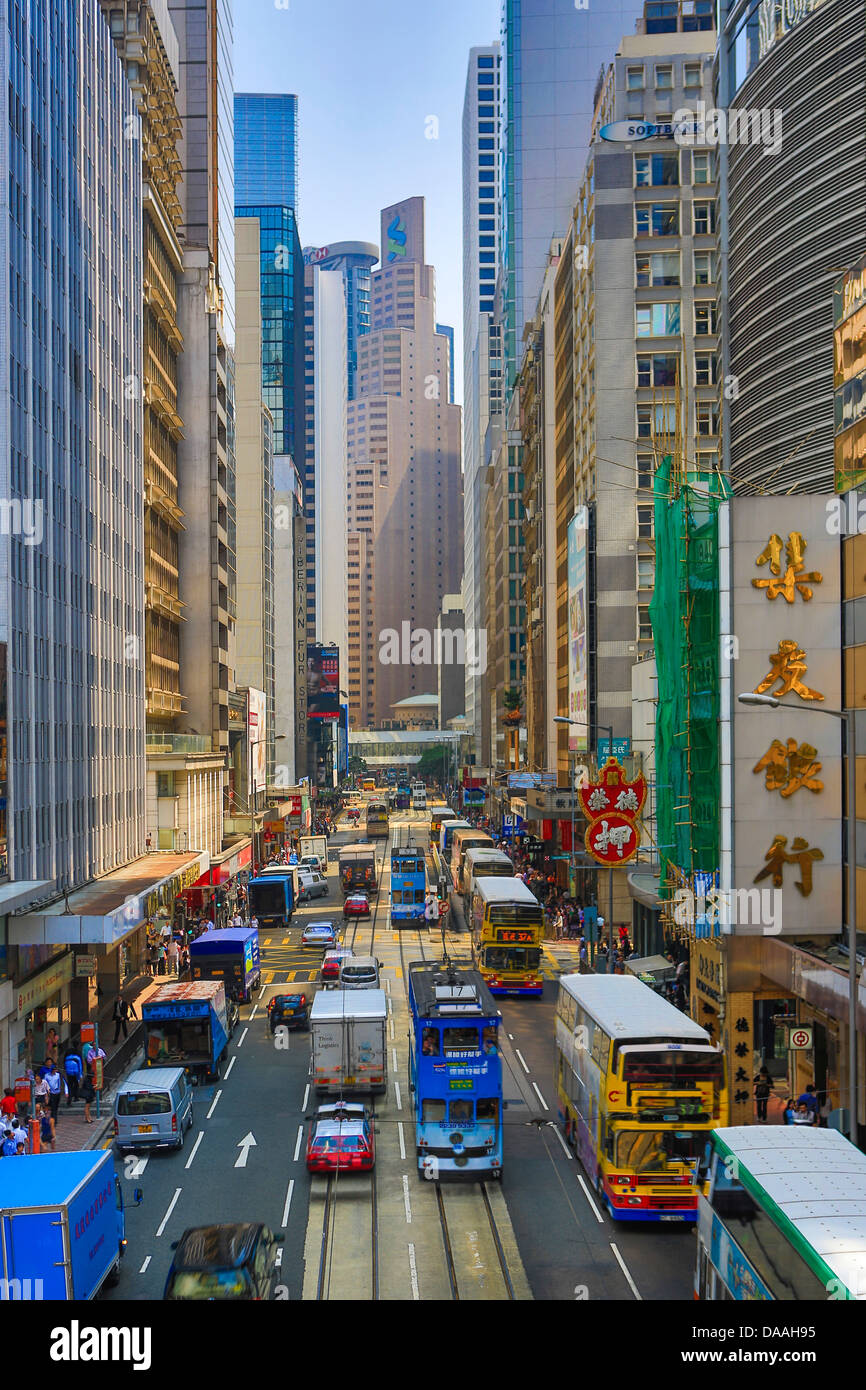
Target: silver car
(312,885)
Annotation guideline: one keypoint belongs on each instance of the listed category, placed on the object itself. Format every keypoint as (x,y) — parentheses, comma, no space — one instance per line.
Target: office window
(706,317)
(704,167)
(486,144)
(664,77)
(707,417)
(704,218)
(644,625)
(705,369)
(485,60)
(656,269)
(657,219)
(653,420)
(645,515)
(645,572)
(655,170)
(487,241)
(657,320)
(645,472)
(707,460)
(634,79)
(691,74)
(486,128)
(485,110)
(657,368)
(703,267)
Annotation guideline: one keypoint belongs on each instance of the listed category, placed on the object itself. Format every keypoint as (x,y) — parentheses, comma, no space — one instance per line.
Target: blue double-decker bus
(455,1069)
(408,885)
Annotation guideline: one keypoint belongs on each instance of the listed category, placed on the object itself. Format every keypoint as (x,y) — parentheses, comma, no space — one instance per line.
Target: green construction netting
(685,620)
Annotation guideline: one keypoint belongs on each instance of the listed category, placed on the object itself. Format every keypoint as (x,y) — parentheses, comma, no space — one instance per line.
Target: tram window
(460,1039)
(460,1113)
(432,1112)
(430,1042)
(488,1039)
(397,896)
(419,895)
(487,1110)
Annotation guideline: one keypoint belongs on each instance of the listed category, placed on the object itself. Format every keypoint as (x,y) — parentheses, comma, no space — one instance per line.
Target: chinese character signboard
(787,791)
(612,806)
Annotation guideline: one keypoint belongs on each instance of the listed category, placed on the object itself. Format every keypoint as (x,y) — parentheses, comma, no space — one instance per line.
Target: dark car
(236,1260)
(289,1011)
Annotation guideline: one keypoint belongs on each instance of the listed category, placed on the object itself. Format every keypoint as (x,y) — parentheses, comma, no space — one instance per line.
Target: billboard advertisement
(323,682)
(578,634)
(257,749)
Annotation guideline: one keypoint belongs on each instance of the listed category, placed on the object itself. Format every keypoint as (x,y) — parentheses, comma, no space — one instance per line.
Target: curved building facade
(796,217)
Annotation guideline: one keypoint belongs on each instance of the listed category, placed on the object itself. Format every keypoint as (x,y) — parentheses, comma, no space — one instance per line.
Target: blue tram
(455,1072)
(408,885)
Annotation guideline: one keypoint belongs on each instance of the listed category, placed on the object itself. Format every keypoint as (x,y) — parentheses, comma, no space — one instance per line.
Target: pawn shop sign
(612,806)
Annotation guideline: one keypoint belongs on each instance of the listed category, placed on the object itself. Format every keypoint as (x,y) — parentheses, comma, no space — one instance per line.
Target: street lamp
(751,697)
(256,743)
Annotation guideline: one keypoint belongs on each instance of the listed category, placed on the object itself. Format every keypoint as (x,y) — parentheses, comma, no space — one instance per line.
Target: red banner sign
(612,806)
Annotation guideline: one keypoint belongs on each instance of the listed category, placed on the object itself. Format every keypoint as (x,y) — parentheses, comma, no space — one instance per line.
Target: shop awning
(644,887)
(109,908)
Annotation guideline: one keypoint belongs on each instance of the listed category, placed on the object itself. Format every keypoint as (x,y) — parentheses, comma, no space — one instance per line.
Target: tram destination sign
(514,938)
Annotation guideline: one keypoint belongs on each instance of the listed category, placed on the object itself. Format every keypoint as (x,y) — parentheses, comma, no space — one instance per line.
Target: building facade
(266,149)
(355,259)
(404,473)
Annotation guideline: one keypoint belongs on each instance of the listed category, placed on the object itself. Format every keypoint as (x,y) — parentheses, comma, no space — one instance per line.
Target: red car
(341,1139)
(356,905)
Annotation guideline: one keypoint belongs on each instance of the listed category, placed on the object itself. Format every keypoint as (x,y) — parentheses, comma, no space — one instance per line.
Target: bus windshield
(650,1151)
(512,914)
(511,957)
(674,1070)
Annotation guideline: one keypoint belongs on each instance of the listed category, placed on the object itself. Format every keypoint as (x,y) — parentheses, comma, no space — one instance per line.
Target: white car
(311,885)
(312,861)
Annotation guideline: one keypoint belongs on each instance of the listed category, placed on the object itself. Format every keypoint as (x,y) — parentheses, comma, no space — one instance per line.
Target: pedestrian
(56,1086)
(8,1106)
(40,1088)
(254,922)
(47,1128)
(88,1094)
(9,1148)
(172,955)
(73,1069)
(810,1100)
(96,1054)
(52,1042)
(790,1110)
(123,1011)
(803,1115)
(237,920)
(19,1135)
(763,1085)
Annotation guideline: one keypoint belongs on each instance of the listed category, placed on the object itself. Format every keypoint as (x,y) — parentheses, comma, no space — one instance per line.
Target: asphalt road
(568,1248)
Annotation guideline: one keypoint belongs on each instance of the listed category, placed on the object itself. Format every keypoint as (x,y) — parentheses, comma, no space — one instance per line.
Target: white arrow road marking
(247,1143)
(188,1163)
(171,1206)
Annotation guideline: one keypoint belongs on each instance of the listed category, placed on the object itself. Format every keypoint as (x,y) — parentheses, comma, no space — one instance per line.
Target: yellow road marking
(268,977)
(267,941)
(286,940)
(398,971)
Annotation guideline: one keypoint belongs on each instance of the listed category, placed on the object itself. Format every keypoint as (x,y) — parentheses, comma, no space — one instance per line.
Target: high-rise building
(266,149)
(206,465)
(355,259)
(404,477)
(448,333)
(481,392)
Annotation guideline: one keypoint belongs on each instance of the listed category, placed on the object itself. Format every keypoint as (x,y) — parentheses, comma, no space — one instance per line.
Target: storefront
(42,1003)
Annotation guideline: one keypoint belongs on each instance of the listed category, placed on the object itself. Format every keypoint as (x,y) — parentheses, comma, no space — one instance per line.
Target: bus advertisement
(507,923)
(408,885)
(782,1215)
(640,1087)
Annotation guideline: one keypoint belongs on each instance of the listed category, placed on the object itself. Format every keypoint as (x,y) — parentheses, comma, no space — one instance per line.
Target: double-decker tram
(408,885)
(455,1072)
(506,923)
(640,1087)
(377,820)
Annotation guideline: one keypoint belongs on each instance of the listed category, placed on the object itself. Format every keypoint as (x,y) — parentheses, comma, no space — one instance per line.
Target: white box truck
(318,845)
(349,1046)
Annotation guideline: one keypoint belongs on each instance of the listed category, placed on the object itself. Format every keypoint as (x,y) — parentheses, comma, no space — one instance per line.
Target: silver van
(359,972)
(153,1109)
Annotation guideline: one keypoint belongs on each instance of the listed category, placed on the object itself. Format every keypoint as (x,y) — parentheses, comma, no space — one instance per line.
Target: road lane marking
(397,1095)
(248,1142)
(286,940)
(540,1096)
(253,1014)
(565,1149)
(391,1028)
(522,1063)
(241,1040)
(588,1195)
(278,1259)
(144,1266)
(298,1143)
(402,1140)
(406,1203)
(213,1105)
(413,1273)
(188,1163)
(624,1267)
(139,1168)
(287,1208)
(268,978)
(511,1037)
(394,1057)
(171,1206)
(267,941)
(229,1067)
(306,1096)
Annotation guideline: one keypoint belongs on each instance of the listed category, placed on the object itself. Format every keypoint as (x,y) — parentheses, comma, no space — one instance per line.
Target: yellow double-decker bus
(640,1088)
(507,922)
(438,816)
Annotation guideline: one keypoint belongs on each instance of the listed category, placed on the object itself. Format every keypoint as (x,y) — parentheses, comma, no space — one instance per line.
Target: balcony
(177,743)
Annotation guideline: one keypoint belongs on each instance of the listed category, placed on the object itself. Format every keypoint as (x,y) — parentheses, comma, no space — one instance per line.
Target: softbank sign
(444,647)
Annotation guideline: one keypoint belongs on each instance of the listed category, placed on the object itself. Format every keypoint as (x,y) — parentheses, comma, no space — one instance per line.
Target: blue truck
(62,1232)
(186,1025)
(272,897)
(231,956)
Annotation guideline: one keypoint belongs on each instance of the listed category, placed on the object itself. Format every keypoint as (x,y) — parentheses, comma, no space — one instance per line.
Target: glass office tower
(266,149)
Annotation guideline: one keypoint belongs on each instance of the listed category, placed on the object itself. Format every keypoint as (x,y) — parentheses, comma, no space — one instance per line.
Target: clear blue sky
(368,73)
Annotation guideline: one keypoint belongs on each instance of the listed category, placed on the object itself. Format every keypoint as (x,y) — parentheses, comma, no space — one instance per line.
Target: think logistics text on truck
(186,1025)
(61,1226)
(348,1037)
(231,956)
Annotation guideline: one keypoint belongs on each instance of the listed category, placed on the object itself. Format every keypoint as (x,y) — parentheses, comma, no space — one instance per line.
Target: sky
(368,74)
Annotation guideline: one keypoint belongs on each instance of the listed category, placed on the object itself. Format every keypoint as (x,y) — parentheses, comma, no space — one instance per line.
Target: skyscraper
(405,501)
(355,259)
(266,149)
(481,392)
(448,333)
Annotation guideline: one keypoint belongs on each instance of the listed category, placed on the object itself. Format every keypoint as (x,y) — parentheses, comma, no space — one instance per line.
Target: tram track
(479,1270)
(350,1216)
